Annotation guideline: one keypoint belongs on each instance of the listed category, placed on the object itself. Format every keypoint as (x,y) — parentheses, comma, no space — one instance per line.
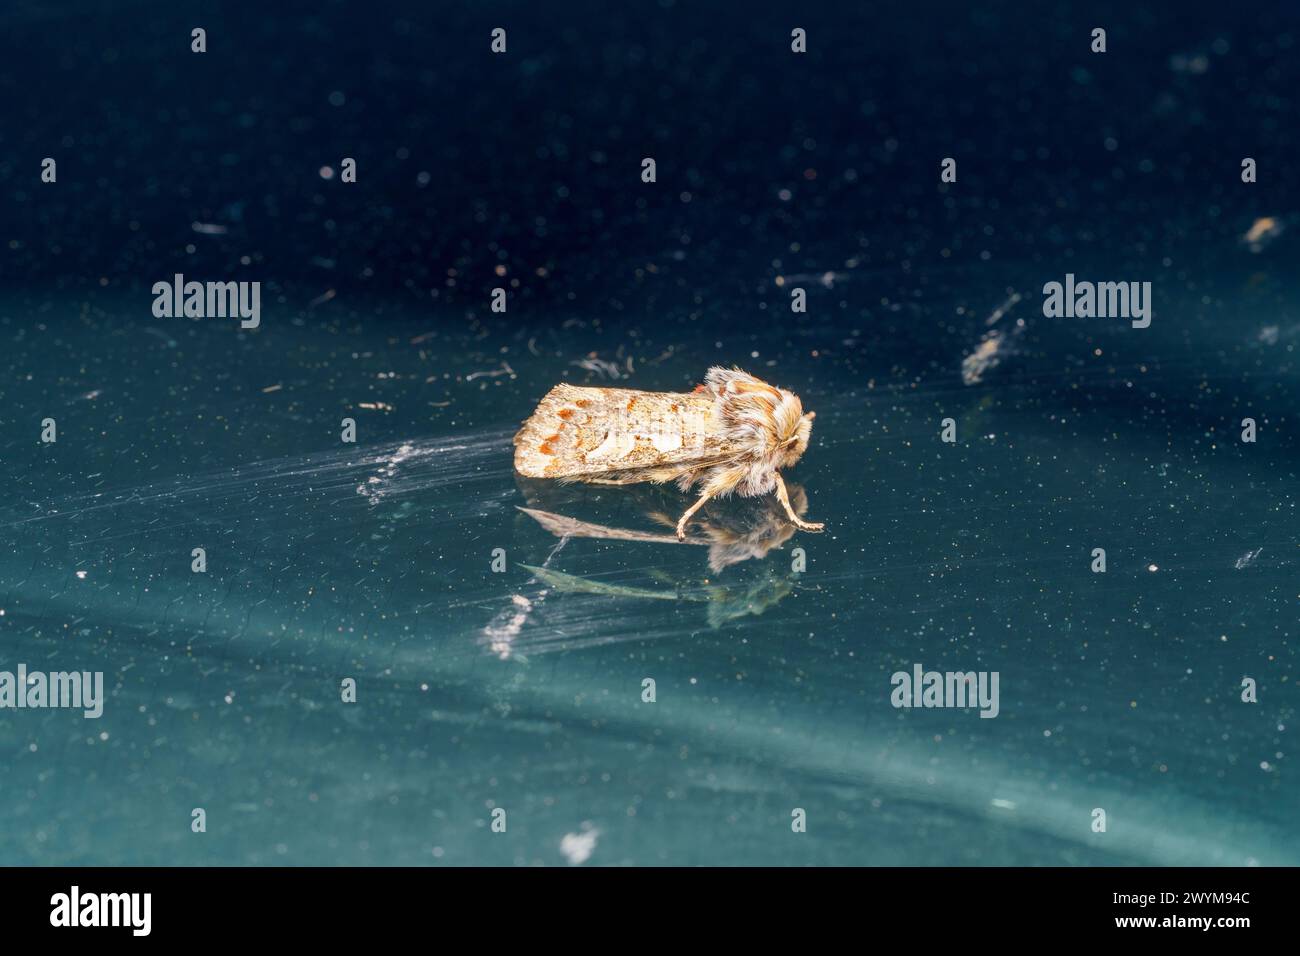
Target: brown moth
(733,433)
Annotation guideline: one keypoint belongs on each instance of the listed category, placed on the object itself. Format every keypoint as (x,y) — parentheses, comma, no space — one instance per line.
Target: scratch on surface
(505,369)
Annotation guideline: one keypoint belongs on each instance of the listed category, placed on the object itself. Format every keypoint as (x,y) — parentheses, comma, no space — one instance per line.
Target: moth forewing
(731,434)
(599,434)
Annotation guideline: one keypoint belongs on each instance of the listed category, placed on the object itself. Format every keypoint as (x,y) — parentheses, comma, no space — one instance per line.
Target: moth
(732,434)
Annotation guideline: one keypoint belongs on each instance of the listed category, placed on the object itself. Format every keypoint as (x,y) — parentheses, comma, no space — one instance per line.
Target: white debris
(1262,232)
(995,344)
(578,847)
(985,357)
(1247,559)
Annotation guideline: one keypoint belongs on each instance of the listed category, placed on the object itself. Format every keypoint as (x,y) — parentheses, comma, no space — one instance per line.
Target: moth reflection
(725,602)
(733,529)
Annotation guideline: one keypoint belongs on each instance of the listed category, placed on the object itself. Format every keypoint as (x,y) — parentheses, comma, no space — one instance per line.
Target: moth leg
(784,497)
(682,521)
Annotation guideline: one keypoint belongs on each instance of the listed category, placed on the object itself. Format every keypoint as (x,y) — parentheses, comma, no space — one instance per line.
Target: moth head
(771,420)
(796,442)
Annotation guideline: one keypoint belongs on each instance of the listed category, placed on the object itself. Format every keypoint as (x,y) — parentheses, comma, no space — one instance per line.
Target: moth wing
(579,433)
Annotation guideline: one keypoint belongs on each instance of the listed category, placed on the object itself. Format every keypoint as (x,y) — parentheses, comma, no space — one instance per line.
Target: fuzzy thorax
(768,426)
